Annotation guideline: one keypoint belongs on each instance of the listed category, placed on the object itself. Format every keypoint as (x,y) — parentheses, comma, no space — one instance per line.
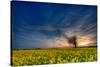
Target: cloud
(46,25)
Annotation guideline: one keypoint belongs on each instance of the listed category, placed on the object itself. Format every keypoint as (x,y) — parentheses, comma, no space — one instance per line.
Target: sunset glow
(50,25)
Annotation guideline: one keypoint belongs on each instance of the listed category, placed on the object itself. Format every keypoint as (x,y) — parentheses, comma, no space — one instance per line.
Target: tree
(71,40)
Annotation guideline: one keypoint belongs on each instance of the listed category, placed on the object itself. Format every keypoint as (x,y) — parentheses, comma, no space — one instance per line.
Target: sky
(46,25)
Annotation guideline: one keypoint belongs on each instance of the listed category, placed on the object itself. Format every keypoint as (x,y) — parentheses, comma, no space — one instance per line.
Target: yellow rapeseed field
(53,56)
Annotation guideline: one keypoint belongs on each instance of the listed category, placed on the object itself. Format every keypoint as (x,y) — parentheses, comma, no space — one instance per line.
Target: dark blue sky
(37,25)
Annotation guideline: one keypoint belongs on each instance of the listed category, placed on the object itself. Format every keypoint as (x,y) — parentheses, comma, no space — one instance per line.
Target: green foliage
(53,56)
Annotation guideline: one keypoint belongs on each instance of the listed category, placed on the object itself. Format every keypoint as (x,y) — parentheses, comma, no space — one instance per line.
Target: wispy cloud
(41,25)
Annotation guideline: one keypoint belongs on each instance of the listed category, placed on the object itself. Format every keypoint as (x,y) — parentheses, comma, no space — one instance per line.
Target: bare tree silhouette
(72,40)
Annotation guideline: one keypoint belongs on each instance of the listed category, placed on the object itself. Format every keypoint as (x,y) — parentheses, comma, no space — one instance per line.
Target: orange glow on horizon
(81,41)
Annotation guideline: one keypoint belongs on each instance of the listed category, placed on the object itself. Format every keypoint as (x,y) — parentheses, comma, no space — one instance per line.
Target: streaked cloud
(42,25)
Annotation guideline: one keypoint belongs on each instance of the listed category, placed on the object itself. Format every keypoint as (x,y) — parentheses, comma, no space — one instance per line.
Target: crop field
(53,56)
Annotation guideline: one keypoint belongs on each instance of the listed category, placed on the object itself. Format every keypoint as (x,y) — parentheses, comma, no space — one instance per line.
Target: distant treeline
(54,48)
